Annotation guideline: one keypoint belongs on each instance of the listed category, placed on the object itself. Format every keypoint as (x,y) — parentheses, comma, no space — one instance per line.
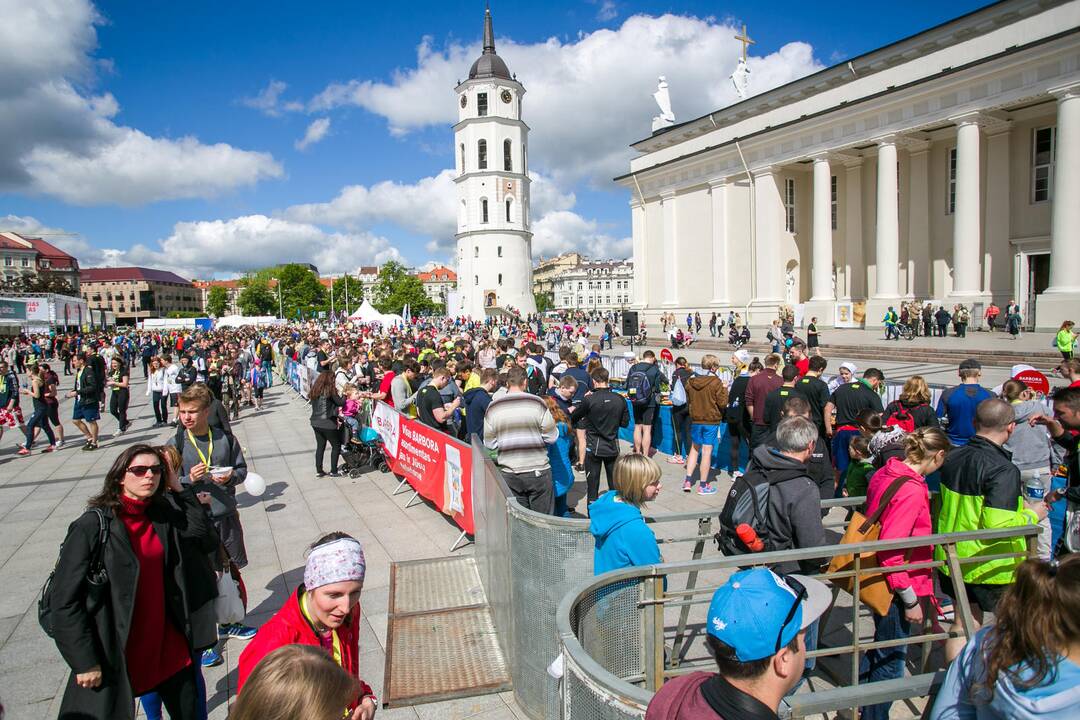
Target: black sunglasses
(800,595)
(144,470)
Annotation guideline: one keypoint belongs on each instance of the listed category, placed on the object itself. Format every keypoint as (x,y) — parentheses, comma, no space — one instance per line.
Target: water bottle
(1034,488)
(749,537)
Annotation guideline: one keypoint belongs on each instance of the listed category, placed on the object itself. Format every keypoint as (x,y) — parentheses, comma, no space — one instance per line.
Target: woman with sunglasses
(135,635)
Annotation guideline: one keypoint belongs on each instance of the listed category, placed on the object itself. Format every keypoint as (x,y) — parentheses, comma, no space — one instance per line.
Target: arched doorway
(489,300)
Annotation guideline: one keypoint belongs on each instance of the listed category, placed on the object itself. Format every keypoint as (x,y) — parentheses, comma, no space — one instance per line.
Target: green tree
(544,302)
(256,297)
(217,301)
(300,290)
(396,288)
(356,293)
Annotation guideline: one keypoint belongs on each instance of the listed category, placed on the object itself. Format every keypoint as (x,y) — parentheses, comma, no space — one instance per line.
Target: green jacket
(980,490)
(1064,340)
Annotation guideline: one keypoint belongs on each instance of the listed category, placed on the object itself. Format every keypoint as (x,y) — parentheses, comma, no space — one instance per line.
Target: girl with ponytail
(1027,664)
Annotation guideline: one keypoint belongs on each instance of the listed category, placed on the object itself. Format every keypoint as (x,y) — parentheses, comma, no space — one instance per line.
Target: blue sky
(173,139)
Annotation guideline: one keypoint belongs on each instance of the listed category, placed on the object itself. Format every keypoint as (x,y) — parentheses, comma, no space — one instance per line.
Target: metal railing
(614,628)
(528,562)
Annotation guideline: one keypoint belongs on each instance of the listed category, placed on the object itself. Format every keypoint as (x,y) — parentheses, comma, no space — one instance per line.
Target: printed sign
(1034,380)
(12,310)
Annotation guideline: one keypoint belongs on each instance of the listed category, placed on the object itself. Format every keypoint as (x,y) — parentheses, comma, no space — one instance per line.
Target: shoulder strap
(886,498)
(98,553)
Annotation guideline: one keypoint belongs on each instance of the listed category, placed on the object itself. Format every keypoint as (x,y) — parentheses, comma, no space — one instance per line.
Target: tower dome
(489,64)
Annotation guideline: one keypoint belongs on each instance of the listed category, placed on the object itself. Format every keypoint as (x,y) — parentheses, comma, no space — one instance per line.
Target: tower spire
(489,33)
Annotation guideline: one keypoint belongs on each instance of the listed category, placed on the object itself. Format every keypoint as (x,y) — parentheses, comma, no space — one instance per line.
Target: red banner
(435,465)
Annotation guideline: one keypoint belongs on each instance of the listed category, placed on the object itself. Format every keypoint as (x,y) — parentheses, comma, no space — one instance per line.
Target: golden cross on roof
(745,40)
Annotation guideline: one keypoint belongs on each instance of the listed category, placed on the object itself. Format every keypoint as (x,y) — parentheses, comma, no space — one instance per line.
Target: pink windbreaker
(907,515)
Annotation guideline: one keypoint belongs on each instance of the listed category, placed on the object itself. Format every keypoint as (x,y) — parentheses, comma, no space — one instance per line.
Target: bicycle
(905,331)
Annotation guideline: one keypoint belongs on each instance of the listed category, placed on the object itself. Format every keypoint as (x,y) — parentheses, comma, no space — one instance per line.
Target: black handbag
(97,578)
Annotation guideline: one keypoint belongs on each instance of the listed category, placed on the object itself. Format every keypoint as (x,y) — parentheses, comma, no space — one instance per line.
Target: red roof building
(21,255)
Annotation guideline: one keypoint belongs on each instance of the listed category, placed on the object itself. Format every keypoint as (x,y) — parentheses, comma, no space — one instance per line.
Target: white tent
(392,319)
(366,313)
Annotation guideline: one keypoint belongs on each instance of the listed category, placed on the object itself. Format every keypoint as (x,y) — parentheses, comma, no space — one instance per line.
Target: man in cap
(957,405)
(756,633)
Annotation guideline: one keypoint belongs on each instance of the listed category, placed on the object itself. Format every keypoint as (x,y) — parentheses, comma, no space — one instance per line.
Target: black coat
(86,641)
(324,411)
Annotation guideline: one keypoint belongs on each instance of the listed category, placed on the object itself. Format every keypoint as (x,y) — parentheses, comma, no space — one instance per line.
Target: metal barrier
(612,629)
(529,561)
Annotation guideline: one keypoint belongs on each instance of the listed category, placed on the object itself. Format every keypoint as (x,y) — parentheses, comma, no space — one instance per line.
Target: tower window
(483,211)
(507,211)
(500,278)
(508,163)
(476,279)
(481,104)
(462,157)
(499,249)
(476,251)
(481,154)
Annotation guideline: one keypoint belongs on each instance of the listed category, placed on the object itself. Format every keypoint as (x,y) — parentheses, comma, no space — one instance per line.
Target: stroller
(363,453)
(737,339)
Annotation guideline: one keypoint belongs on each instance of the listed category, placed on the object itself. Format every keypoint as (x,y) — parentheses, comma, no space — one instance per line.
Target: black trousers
(160,402)
(592,474)
(180,694)
(757,435)
(118,406)
(146,366)
(322,437)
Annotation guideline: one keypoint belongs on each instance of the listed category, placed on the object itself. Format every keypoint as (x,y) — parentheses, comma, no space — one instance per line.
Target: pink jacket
(907,515)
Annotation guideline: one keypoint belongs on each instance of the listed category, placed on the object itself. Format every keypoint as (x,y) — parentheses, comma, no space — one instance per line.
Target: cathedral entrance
(1037,279)
(489,300)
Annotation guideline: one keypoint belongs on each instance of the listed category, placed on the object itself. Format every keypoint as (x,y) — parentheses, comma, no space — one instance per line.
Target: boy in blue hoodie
(622,537)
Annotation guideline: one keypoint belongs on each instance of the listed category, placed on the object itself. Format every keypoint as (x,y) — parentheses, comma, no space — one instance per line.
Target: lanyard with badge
(209,450)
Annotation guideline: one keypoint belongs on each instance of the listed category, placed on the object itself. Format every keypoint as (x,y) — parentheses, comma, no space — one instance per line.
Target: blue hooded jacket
(562,474)
(622,537)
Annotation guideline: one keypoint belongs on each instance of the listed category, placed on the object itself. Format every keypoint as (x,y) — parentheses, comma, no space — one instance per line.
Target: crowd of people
(536,393)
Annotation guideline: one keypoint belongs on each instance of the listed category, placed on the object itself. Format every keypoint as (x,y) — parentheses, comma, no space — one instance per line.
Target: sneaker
(236,630)
(687,486)
(706,489)
(92,446)
(736,474)
(320,474)
(23,451)
(211,658)
(51,448)
(676,459)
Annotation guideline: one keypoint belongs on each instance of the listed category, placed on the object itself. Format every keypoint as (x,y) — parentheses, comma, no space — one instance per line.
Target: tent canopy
(366,313)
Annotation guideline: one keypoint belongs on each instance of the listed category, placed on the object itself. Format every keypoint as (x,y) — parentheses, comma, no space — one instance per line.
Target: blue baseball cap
(757,612)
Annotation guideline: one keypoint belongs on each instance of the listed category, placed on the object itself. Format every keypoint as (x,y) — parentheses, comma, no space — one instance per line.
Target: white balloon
(255,484)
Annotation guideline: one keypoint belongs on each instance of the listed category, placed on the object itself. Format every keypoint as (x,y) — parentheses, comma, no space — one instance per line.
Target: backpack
(747,502)
(902,418)
(639,388)
(536,383)
(97,579)
(678,394)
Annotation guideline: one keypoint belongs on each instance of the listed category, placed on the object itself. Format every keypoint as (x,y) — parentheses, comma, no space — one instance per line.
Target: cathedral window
(832,199)
(476,279)
(508,163)
(476,251)
(483,211)
(499,251)
(507,211)
(789,204)
(1043,150)
(950,201)
(500,278)
(462,157)
(481,155)
(481,104)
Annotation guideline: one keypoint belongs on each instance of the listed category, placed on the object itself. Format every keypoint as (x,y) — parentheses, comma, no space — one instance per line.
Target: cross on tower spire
(743,38)
(489,33)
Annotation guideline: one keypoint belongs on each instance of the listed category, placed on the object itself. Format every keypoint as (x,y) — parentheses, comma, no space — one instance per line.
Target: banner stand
(459,539)
(399,486)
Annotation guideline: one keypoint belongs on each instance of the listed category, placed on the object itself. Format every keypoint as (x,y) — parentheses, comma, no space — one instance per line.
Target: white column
(888,223)
(768,223)
(854,267)
(718,206)
(967,226)
(1062,298)
(822,252)
(640,298)
(671,248)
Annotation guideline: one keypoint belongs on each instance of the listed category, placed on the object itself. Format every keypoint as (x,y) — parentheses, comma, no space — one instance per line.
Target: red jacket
(288,627)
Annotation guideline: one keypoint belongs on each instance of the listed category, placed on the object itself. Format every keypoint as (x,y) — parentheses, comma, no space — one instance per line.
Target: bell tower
(494,243)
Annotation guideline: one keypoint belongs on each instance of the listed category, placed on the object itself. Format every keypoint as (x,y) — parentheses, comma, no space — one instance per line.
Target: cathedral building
(944,167)
(494,243)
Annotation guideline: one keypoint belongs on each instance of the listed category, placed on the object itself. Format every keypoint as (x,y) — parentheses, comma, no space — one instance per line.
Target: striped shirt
(519,426)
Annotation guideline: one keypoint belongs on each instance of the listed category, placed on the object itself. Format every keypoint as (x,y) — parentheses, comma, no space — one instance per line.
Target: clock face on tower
(505,96)
(464,101)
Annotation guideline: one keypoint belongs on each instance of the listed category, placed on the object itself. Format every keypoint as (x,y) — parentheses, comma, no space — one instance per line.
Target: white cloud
(316,131)
(60,140)
(562,231)
(608,11)
(587,99)
(266,100)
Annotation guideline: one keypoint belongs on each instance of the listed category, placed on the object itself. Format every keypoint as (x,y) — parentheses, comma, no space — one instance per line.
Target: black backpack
(747,502)
(639,388)
(97,579)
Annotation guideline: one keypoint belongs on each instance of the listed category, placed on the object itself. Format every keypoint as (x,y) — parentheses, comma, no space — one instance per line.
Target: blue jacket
(622,537)
(1054,700)
(476,402)
(562,475)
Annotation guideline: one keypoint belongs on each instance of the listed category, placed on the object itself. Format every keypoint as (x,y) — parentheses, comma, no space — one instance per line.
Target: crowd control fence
(528,561)
(614,629)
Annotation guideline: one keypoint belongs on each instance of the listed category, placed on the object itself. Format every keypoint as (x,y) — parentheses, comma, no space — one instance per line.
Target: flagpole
(331,296)
(346,294)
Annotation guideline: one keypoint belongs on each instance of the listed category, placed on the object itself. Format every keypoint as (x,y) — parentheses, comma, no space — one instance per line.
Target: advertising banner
(434,464)
(12,310)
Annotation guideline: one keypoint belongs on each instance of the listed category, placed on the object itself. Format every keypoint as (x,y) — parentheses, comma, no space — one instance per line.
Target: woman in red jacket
(901,487)
(325,612)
